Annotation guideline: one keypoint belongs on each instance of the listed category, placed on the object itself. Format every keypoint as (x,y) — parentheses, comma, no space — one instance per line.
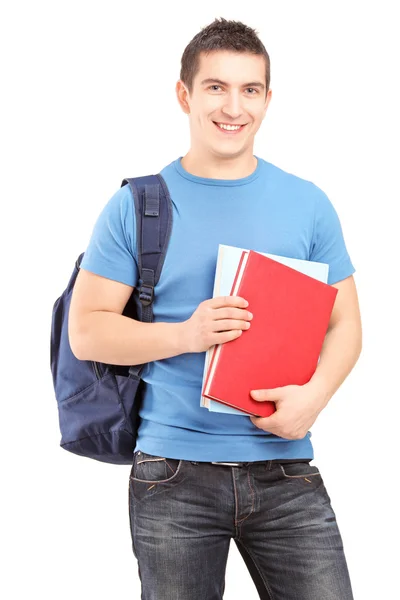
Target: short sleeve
(112,251)
(328,245)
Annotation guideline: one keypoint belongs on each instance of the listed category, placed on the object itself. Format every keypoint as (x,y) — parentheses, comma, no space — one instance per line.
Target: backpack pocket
(96,421)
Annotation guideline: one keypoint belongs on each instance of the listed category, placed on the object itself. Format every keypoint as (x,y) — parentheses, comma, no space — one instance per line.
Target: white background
(89,98)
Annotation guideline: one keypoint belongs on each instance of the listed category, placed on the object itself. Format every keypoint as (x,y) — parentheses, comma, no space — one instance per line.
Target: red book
(291,313)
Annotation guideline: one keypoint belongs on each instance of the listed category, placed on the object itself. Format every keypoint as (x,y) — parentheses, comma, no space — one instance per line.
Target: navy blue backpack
(98,404)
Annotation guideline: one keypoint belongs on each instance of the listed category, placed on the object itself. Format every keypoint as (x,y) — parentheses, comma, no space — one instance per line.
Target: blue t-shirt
(269,211)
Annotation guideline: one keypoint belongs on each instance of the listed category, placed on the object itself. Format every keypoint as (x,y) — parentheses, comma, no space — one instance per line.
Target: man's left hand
(297,407)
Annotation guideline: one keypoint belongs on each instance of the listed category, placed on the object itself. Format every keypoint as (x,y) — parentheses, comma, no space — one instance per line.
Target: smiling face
(228,90)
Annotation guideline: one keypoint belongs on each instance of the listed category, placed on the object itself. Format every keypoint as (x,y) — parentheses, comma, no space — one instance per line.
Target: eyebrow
(251,84)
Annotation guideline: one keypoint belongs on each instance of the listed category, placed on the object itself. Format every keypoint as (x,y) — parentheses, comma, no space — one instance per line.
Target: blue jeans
(183,515)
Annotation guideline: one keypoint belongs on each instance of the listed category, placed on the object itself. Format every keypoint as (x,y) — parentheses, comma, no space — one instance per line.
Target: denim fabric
(183,515)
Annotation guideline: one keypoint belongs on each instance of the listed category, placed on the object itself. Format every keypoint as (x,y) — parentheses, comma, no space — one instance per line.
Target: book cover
(291,316)
(227,262)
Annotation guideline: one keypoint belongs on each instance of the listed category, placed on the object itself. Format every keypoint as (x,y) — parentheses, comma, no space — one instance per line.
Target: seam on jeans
(160,480)
(258,569)
(169,465)
(236,498)
(131,520)
(145,460)
(297,476)
(252,499)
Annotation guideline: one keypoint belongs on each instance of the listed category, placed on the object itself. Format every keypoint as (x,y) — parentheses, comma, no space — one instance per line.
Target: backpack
(98,403)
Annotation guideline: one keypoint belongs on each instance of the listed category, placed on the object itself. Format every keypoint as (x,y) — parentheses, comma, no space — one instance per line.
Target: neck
(215,167)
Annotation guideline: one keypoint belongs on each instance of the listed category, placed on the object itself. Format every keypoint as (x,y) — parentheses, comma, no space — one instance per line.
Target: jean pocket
(154,469)
(298,470)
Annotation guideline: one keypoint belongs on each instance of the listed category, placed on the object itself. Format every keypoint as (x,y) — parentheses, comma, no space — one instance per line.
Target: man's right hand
(216,321)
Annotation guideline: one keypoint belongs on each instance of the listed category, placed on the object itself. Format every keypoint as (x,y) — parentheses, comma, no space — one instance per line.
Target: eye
(254,90)
(214,86)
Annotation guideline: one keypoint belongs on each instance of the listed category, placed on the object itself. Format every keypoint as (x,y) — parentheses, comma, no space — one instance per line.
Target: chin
(230,152)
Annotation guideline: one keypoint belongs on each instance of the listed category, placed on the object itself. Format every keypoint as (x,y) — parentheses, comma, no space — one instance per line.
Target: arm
(98,331)
(342,345)
(299,406)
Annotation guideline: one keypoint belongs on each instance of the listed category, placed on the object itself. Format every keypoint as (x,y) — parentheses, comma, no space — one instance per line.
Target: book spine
(210,351)
(217,349)
(239,273)
(211,369)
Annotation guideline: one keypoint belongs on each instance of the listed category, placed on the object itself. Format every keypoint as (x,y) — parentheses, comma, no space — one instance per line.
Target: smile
(229,129)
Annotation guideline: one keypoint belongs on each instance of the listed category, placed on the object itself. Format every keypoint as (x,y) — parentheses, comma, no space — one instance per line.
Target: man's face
(222,95)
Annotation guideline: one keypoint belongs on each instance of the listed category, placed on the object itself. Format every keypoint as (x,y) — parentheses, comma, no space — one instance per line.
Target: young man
(185,502)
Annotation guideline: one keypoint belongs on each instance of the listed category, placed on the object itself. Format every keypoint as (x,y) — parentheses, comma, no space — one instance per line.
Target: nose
(232,107)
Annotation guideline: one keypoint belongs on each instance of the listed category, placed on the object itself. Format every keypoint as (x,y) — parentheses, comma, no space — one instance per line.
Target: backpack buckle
(146,294)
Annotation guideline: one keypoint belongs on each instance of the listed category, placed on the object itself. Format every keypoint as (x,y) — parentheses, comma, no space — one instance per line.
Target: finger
(228,324)
(221,301)
(255,421)
(266,423)
(273,394)
(226,336)
(232,313)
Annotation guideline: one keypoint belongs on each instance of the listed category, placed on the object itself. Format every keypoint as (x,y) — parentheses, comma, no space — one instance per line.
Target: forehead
(236,68)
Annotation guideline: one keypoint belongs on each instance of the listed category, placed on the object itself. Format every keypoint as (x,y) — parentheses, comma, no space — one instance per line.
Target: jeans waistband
(260,462)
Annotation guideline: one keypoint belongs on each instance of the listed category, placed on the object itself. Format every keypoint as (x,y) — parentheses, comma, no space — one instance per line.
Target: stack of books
(291,303)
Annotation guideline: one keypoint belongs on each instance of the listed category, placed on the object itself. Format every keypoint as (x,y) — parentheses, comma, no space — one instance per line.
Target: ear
(267,101)
(183,95)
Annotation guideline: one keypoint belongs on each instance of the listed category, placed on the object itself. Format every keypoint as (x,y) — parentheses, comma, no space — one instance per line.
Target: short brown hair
(221,35)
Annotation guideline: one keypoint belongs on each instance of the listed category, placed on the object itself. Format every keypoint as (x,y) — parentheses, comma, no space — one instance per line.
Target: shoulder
(298,187)
(119,212)
(122,199)
(290,179)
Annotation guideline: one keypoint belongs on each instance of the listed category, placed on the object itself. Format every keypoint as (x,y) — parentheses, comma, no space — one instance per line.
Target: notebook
(291,316)
(227,263)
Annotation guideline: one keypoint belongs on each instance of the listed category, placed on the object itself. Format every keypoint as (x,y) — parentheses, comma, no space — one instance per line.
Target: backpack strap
(153,211)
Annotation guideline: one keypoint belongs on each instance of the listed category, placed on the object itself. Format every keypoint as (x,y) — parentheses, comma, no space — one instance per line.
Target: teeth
(229,127)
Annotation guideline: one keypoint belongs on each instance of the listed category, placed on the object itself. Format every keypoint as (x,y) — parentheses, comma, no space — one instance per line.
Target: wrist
(181,342)
(319,390)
